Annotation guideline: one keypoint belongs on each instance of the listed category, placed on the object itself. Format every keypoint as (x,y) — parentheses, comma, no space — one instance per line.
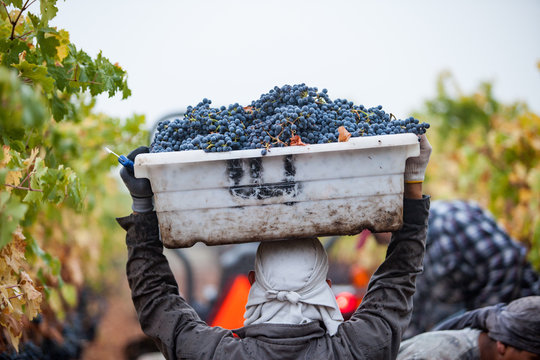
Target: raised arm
(375,329)
(163,314)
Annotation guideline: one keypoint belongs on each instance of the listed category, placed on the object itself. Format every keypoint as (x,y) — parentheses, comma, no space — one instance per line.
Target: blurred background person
(493,332)
(470,262)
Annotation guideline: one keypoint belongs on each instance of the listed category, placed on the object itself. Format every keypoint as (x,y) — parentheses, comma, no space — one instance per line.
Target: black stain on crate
(235,170)
(265,191)
(290,170)
(256,189)
(255,170)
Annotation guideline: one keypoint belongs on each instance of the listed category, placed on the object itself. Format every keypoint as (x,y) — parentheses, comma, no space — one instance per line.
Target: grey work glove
(139,189)
(415,167)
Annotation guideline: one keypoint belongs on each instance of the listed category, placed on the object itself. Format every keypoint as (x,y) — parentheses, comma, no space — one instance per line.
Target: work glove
(139,189)
(415,167)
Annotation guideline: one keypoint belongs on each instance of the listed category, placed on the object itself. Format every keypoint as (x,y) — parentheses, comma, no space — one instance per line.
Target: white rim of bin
(144,161)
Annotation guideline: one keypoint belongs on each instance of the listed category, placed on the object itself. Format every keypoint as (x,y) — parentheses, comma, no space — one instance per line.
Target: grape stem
(20,187)
(15,296)
(23,188)
(363,112)
(77,80)
(13,23)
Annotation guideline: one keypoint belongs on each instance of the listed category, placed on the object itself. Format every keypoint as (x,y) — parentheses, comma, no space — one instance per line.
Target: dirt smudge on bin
(255,167)
(165,232)
(257,189)
(235,170)
(265,191)
(290,170)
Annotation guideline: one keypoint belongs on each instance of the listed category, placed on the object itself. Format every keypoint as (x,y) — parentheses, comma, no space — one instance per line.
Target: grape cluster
(77,330)
(71,347)
(278,118)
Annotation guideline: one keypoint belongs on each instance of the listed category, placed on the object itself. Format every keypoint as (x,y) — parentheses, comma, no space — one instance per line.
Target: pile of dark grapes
(77,330)
(274,119)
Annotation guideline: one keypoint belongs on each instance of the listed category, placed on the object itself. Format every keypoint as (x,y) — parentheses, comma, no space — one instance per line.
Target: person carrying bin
(291,311)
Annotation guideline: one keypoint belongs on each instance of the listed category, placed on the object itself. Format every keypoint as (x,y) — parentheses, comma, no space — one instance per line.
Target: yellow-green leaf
(36,73)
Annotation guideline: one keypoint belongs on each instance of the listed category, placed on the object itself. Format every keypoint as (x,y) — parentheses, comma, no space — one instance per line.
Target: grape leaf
(11,213)
(295,140)
(18,296)
(62,50)
(16,3)
(34,20)
(13,255)
(38,74)
(60,75)
(5,156)
(48,10)
(33,197)
(13,326)
(48,42)
(31,294)
(59,108)
(12,178)
(10,50)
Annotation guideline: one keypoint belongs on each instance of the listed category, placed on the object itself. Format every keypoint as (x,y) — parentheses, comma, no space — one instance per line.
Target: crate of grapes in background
(291,192)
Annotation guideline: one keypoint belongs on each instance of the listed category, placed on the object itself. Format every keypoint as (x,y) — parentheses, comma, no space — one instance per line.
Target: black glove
(140,189)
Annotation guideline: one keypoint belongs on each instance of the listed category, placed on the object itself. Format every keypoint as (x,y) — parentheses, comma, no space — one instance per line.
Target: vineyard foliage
(58,196)
(488,152)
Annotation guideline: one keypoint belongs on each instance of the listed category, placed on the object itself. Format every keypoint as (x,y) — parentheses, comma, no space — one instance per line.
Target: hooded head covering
(516,324)
(290,285)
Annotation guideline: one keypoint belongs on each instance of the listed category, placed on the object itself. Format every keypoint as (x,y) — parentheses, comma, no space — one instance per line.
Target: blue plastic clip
(126,162)
(121,159)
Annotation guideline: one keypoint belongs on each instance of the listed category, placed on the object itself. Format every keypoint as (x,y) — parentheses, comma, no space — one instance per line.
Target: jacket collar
(283,333)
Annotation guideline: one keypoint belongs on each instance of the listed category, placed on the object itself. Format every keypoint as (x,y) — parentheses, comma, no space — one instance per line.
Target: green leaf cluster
(487,151)
(56,185)
(45,58)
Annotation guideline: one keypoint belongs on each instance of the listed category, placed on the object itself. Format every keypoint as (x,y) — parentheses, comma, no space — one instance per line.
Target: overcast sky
(370,52)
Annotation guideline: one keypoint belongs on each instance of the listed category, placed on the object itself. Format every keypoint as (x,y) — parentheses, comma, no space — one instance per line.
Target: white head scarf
(290,285)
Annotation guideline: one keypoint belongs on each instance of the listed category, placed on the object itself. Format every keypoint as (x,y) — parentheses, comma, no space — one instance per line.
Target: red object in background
(360,277)
(230,314)
(362,238)
(347,303)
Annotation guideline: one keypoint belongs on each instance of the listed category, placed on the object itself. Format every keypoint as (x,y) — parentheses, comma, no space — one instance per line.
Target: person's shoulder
(447,344)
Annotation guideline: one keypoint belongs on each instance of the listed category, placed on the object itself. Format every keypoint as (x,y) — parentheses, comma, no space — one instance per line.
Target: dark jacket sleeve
(163,314)
(375,329)
(476,319)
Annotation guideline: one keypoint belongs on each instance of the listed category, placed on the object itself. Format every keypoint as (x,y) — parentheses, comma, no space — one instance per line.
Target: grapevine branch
(25,178)
(23,188)
(7,12)
(20,187)
(25,34)
(26,5)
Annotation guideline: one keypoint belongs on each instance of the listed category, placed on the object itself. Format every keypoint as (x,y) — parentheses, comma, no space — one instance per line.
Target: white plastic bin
(296,191)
